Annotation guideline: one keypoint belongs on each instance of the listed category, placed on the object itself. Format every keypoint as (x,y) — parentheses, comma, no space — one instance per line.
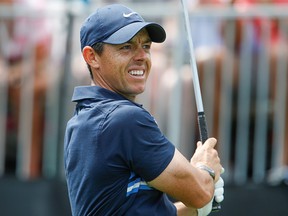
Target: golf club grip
(204,136)
(202,127)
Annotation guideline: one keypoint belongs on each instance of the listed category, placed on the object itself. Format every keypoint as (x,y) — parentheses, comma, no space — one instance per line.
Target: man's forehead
(141,36)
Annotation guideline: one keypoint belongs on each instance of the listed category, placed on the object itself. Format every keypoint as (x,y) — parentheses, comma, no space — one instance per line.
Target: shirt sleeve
(147,151)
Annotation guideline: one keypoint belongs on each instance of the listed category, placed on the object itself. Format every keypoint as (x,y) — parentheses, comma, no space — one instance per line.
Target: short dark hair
(98,48)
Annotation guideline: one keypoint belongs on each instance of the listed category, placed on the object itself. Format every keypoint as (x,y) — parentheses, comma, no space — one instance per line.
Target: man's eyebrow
(148,40)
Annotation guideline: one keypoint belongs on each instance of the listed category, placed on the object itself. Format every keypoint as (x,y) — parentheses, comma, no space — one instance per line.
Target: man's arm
(185,182)
(182,210)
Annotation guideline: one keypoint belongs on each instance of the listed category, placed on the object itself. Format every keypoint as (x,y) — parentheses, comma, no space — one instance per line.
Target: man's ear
(90,56)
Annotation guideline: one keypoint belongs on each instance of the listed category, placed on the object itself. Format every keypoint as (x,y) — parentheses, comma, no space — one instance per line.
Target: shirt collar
(93,92)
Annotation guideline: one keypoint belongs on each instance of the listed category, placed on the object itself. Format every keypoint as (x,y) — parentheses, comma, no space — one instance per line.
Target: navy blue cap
(117,24)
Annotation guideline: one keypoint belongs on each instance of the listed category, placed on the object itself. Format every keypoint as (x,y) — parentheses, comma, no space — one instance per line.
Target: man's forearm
(183,210)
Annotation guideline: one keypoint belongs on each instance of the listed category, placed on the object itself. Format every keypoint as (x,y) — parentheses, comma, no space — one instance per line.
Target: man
(117,161)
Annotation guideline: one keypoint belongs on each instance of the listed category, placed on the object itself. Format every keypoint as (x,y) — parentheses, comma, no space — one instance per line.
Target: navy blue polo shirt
(112,148)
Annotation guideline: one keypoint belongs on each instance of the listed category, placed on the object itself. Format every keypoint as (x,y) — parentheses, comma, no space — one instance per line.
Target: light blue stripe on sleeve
(136,185)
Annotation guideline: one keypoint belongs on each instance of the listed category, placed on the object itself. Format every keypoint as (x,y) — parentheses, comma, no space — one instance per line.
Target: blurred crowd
(24,55)
(25,51)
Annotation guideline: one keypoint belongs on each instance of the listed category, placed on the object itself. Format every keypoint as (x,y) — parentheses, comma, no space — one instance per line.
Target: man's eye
(126,47)
(147,46)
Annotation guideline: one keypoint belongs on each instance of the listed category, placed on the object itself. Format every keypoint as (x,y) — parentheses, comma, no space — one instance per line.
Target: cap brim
(156,32)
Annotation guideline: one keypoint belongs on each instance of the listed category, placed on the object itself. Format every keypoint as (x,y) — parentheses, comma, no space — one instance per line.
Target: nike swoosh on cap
(128,15)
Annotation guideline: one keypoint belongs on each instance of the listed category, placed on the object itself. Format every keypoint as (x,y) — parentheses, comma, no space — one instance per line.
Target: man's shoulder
(127,110)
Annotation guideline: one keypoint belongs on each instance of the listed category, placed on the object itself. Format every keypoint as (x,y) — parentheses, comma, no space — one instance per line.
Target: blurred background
(241,49)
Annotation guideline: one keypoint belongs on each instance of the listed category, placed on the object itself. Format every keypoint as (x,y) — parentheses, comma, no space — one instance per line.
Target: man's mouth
(136,72)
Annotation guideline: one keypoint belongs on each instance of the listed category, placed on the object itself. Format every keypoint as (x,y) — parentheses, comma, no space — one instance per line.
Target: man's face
(124,68)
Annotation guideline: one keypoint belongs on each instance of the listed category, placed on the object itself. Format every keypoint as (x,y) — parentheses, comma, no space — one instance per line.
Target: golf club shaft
(201,115)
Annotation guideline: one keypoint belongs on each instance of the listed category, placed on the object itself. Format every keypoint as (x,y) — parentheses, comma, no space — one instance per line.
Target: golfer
(117,161)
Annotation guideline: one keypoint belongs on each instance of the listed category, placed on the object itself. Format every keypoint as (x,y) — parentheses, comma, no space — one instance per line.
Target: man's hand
(207,155)
(218,196)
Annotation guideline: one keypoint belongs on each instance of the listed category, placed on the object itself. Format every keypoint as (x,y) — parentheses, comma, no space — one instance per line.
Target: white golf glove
(218,195)
(219,190)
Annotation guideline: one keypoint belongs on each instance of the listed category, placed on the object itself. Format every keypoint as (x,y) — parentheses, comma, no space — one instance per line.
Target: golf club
(197,91)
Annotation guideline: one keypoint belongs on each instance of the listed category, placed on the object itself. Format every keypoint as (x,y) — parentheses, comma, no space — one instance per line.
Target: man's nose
(140,54)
